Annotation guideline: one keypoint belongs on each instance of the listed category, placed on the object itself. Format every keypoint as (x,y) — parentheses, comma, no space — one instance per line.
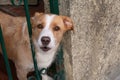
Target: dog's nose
(45,40)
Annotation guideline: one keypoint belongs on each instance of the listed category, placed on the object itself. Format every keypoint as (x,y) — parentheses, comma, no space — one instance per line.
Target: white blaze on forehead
(48,20)
(47,32)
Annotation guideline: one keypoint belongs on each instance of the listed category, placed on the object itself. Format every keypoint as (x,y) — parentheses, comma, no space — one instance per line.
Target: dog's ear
(37,14)
(36,17)
(68,23)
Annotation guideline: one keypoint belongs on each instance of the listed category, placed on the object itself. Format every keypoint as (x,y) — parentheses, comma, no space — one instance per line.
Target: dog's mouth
(45,48)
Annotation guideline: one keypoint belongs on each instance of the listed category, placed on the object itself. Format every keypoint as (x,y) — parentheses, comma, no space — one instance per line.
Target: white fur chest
(44,60)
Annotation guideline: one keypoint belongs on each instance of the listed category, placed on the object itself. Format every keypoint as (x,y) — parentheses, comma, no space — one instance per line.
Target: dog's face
(48,30)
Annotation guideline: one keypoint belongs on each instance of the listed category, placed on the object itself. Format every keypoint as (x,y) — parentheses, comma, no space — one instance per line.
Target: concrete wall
(92,52)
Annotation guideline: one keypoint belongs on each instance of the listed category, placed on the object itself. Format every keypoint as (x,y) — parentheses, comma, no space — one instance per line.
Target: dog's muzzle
(45,42)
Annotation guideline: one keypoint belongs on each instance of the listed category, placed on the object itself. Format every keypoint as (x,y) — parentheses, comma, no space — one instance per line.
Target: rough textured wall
(46,6)
(93,50)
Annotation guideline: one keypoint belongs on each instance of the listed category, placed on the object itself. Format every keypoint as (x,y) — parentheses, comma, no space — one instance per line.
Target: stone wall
(92,51)
(96,42)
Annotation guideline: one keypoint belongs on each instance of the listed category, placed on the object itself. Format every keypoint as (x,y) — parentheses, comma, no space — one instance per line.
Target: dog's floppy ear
(68,23)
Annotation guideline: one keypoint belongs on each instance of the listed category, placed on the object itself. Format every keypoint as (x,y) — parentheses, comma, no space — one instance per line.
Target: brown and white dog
(48,30)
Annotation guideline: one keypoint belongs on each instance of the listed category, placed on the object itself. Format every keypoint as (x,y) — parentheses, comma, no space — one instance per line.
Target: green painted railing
(16,2)
(60,75)
(30,36)
(5,55)
(54,8)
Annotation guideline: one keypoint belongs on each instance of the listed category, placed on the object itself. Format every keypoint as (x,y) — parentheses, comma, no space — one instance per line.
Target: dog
(47,33)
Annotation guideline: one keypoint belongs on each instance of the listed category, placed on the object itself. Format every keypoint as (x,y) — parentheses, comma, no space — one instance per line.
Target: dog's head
(48,30)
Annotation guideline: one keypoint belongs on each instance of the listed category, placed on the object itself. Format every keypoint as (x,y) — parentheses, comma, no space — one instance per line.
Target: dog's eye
(56,28)
(40,26)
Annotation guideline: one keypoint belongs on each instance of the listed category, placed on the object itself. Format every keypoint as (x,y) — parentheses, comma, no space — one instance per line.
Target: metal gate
(60,74)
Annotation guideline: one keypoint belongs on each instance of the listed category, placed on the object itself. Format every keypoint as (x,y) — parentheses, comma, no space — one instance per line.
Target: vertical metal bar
(54,6)
(30,36)
(5,55)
